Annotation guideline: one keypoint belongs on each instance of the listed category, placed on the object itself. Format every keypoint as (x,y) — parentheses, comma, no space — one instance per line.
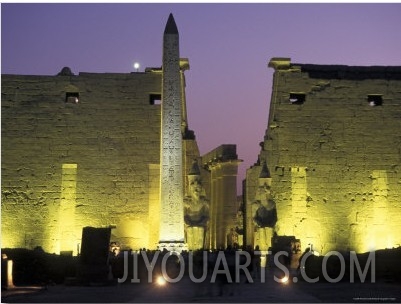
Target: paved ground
(187,291)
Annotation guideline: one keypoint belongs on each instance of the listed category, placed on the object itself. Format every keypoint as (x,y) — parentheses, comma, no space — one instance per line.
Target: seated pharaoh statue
(264,208)
(196,205)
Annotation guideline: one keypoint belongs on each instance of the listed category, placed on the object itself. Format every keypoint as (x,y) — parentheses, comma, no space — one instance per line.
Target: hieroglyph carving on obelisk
(171,177)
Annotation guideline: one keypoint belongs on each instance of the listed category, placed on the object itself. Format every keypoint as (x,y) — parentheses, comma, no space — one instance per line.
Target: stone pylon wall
(98,159)
(335,160)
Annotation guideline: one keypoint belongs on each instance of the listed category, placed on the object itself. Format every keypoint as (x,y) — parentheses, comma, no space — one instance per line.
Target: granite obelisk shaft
(171,177)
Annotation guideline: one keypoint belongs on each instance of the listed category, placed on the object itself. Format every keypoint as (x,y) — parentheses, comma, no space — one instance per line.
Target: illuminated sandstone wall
(335,157)
(67,165)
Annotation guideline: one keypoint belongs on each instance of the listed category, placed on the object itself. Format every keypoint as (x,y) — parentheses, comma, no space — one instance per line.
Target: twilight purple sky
(228,46)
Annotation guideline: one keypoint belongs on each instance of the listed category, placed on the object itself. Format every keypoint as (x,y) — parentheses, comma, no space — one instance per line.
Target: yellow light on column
(66,232)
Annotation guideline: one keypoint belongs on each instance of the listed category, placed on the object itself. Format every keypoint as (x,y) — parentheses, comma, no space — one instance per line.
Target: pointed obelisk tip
(171,27)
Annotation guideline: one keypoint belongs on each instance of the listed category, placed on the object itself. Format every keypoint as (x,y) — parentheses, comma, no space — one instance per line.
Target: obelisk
(171,177)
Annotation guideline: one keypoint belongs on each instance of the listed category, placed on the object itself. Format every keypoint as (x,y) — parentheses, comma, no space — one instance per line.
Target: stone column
(213,208)
(222,163)
(223,207)
(220,216)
